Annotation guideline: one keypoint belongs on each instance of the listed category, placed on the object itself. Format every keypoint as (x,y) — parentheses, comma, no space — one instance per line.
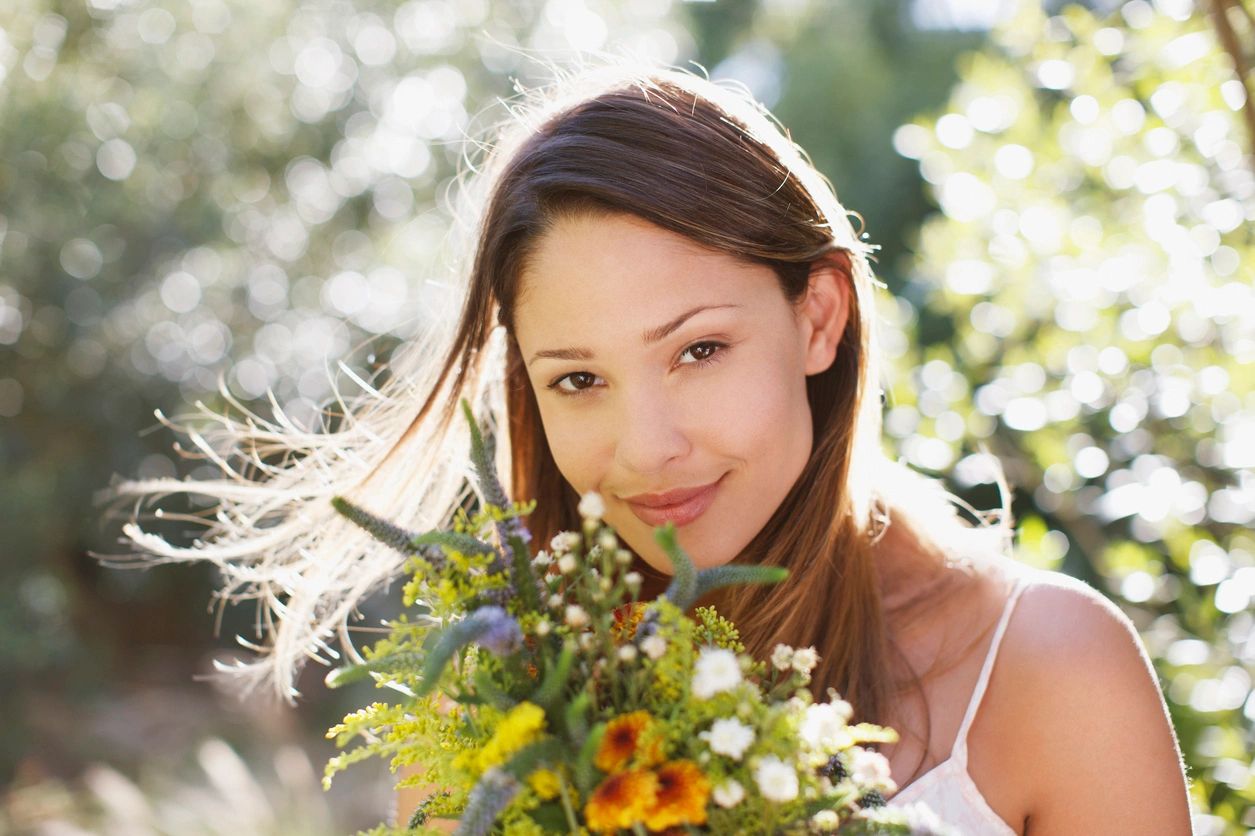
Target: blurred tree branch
(1221,10)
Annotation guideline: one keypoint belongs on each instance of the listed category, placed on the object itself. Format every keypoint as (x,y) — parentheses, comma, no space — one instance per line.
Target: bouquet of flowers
(541,696)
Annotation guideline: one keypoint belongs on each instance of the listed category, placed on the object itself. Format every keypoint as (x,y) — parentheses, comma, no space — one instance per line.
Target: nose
(651,433)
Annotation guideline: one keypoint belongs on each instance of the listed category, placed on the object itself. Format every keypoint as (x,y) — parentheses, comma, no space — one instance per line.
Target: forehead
(621,265)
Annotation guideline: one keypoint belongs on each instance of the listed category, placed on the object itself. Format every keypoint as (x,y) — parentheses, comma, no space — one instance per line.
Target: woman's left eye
(708,357)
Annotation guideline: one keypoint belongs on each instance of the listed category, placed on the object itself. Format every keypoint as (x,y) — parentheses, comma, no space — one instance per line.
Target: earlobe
(827,310)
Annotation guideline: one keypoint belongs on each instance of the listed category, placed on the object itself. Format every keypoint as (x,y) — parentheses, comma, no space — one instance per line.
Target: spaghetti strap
(960,743)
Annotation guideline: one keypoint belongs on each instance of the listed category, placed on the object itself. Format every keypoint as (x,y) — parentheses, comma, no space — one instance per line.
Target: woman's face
(660,365)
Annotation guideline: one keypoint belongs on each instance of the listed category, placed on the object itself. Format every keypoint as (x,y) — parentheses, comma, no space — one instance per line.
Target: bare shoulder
(1092,718)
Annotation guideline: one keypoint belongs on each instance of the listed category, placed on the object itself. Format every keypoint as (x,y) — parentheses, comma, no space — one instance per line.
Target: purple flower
(496,630)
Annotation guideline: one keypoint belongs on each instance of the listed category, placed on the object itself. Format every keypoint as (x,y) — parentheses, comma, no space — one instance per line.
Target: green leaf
(586,774)
(550,689)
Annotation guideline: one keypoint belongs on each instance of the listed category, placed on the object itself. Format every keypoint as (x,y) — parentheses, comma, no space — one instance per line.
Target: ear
(825,309)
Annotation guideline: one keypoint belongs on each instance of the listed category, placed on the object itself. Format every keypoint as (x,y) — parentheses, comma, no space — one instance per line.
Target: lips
(681,506)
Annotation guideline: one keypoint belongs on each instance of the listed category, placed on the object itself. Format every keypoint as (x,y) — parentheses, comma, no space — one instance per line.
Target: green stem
(638,829)
(566,806)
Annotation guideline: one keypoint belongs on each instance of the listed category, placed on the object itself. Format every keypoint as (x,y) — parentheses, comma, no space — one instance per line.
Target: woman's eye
(704,352)
(574,376)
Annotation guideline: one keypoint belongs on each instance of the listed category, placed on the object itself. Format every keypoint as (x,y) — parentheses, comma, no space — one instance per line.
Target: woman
(668,305)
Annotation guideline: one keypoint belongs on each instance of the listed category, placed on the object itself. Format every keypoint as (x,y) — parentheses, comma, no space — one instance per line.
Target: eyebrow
(651,336)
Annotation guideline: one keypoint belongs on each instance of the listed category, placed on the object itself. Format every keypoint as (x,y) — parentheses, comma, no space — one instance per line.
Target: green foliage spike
(481,459)
(524,576)
(385,532)
(721,576)
(349,674)
(423,811)
(688,584)
(456,541)
(682,590)
(452,639)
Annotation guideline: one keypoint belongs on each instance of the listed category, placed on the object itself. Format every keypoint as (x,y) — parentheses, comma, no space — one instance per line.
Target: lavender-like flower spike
(490,626)
(495,790)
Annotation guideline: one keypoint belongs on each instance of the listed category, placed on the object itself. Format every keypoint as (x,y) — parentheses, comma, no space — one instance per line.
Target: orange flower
(683,791)
(622,739)
(620,801)
(626,619)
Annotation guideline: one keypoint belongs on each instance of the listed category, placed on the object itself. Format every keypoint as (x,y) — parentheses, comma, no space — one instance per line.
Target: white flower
(567,564)
(555,601)
(592,506)
(543,627)
(576,617)
(717,669)
(823,727)
(565,541)
(587,640)
(776,780)
(805,660)
(608,542)
(627,653)
(542,559)
(728,737)
(728,794)
(623,557)
(654,647)
(868,767)
(826,820)
(782,657)
(917,818)
(633,581)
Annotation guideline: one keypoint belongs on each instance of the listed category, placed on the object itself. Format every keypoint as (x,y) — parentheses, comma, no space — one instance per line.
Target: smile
(681,513)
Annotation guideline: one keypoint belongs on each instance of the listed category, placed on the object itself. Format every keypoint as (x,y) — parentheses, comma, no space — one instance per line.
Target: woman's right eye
(573,377)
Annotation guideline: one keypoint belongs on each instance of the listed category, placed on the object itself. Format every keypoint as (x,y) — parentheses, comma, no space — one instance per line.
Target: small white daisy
(728,794)
(592,506)
(717,669)
(782,657)
(729,737)
(654,647)
(576,616)
(776,780)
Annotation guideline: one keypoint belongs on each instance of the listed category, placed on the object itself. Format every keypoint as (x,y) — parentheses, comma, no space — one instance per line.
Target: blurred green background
(196,190)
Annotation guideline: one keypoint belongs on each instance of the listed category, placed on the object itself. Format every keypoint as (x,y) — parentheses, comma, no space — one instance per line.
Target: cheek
(575,449)
(762,405)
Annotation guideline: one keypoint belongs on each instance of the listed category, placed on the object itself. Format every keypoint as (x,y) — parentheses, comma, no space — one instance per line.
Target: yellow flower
(683,791)
(620,801)
(544,782)
(623,739)
(524,724)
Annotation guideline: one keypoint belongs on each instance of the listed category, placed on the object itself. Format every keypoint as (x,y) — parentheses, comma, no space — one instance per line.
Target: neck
(909,568)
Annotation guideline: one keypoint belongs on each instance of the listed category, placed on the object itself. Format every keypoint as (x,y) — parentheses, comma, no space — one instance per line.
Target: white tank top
(947,788)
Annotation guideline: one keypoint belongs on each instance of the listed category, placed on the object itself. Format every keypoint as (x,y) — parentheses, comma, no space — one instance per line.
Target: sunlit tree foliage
(1093,261)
